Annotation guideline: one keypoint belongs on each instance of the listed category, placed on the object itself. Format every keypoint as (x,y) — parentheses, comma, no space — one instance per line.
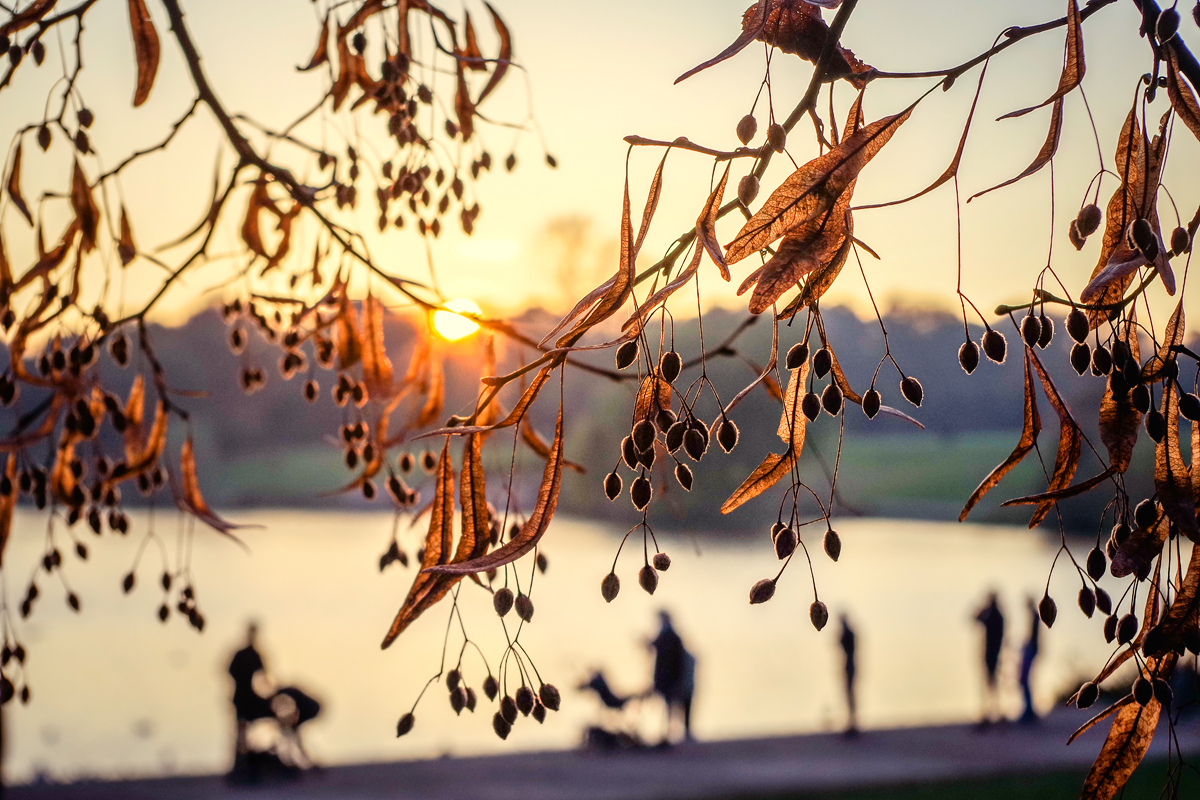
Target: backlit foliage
(801,232)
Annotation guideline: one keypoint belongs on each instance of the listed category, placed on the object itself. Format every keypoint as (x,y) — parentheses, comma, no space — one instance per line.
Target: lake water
(118,693)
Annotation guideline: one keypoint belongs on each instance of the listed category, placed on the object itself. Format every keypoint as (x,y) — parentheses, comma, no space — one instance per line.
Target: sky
(596,72)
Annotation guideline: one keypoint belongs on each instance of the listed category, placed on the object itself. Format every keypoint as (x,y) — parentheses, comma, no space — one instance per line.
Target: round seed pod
(407,462)
(1101,361)
(502,601)
(968,357)
(683,474)
(776,137)
(664,419)
(746,128)
(797,356)
(501,726)
(525,700)
(1110,628)
(629,453)
(994,346)
(641,492)
(1077,325)
(508,709)
(453,679)
(1156,425)
(1081,357)
(648,578)
(1154,641)
(670,366)
(1110,547)
(870,403)
(1088,220)
(543,563)
(368,489)
(1139,397)
(818,614)
(429,461)
(539,713)
(675,435)
(811,406)
(762,591)
(1047,610)
(405,724)
(1088,694)
(127,583)
(1162,692)
(747,189)
(1047,331)
(1145,514)
(1096,564)
(1143,691)
(612,485)
(490,687)
(550,697)
(911,389)
(524,607)
(1031,329)
(1180,241)
(822,362)
(643,435)
(694,444)
(163,612)
(471,700)
(627,354)
(1127,628)
(1103,601)
(833,544)
(661,562)
(1141,233)
(785,543)
(646,458)
(1117,383)
(43,138)
(458,699)
(1189,406)
(1087,602)
(727,435)
(610,586)
(831,399)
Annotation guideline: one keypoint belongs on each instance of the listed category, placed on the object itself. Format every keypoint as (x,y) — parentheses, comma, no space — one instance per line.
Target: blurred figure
(617,731)
(674,675)
(599,685)
(248,704)
(851,666)
(993,639)
(1028,654)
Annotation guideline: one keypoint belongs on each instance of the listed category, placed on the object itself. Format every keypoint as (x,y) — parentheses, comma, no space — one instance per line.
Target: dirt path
(702,770)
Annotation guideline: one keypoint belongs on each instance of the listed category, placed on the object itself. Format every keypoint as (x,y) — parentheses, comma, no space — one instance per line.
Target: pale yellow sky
(600,71)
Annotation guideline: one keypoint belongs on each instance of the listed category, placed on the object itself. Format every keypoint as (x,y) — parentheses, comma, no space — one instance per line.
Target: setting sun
(451,326)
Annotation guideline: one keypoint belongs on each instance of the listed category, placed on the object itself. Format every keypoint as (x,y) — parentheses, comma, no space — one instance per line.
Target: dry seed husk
(1031,329)
(524,607)
(1143,691)
(490,687)
(508,709)
(747,189)
(994,346)
(1096,564)
(831,399)
(1103,601)
(640,492)
(746,128)
(550,697)
(627,354)
(675,436)
(968,357)
(1089,693)
(525,700)
(1110,627)
(453,678)
(648,578)
(1048,610)
(785,543)
(911,389)
(1081,357)
(610,586)
(502,601)
(1180,241)
(811,406)
(670,366)
(458,699)
(797,355)
(1101,361)
(1162,692)
(1156,425)
(501,726)
(683,474)
(612,486)
(1087,602)
(405,724)
(870,403)
(1047,331)
(727,435)
(832,544)
(1139,397)
(1127,628)
(776,137)
(694,444)
(1089,220)
(1189,406)
(762,591)
(629,453)
(643,435)
(661,562)
(818,614)
(1145,514)
(822,362)
(539,713)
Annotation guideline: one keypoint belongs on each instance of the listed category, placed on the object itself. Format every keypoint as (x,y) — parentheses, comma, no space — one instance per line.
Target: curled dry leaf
(503,57)
(14,185)
(126,249)
(535,526)
(1073,64)
(377,367)
(1031,426)
(1183,99)
(85,209)
(1172,482)
(1070,442)
(321,53)
(1137,553)
(146,48)
(1119,420)
(190,498)
(1049,148)
(537,444)
(1153,370)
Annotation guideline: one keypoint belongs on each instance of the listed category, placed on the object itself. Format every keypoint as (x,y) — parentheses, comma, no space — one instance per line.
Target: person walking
(848,642)
(674,675)
(992,620)
(1028,654)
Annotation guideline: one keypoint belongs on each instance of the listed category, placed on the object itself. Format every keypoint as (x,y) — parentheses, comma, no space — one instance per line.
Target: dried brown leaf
(1172,482)
(14,184)
(1183,99)
(146,47)
(1049,148)
(503,57)
(321,54)
(345,335)
(1063,493)
(533,529)
(191,498)
(765,475)
(706,231)
(1137,553)
(653,395)
(377,367)
(464,108)
(1119,420)
(126,249)
(1073,65)
(1030,428)
(85,209)
(1152,371)
(537,444)
(1070,442)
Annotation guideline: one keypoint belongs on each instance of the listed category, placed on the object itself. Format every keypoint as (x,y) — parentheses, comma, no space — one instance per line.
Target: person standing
(1028,654)
(992,620)
(674,675)
(848,642)
(248,704)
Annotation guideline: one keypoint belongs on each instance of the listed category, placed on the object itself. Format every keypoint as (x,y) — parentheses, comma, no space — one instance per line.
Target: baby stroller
(617,732)
(285,758)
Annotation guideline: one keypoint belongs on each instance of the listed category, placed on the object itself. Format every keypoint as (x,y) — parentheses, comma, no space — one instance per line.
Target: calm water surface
(118,693)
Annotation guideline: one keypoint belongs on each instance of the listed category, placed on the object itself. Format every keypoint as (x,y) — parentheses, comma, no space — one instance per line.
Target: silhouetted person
(1028,654)
(674,674)
(851,665)
(248,704)
(993,639)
